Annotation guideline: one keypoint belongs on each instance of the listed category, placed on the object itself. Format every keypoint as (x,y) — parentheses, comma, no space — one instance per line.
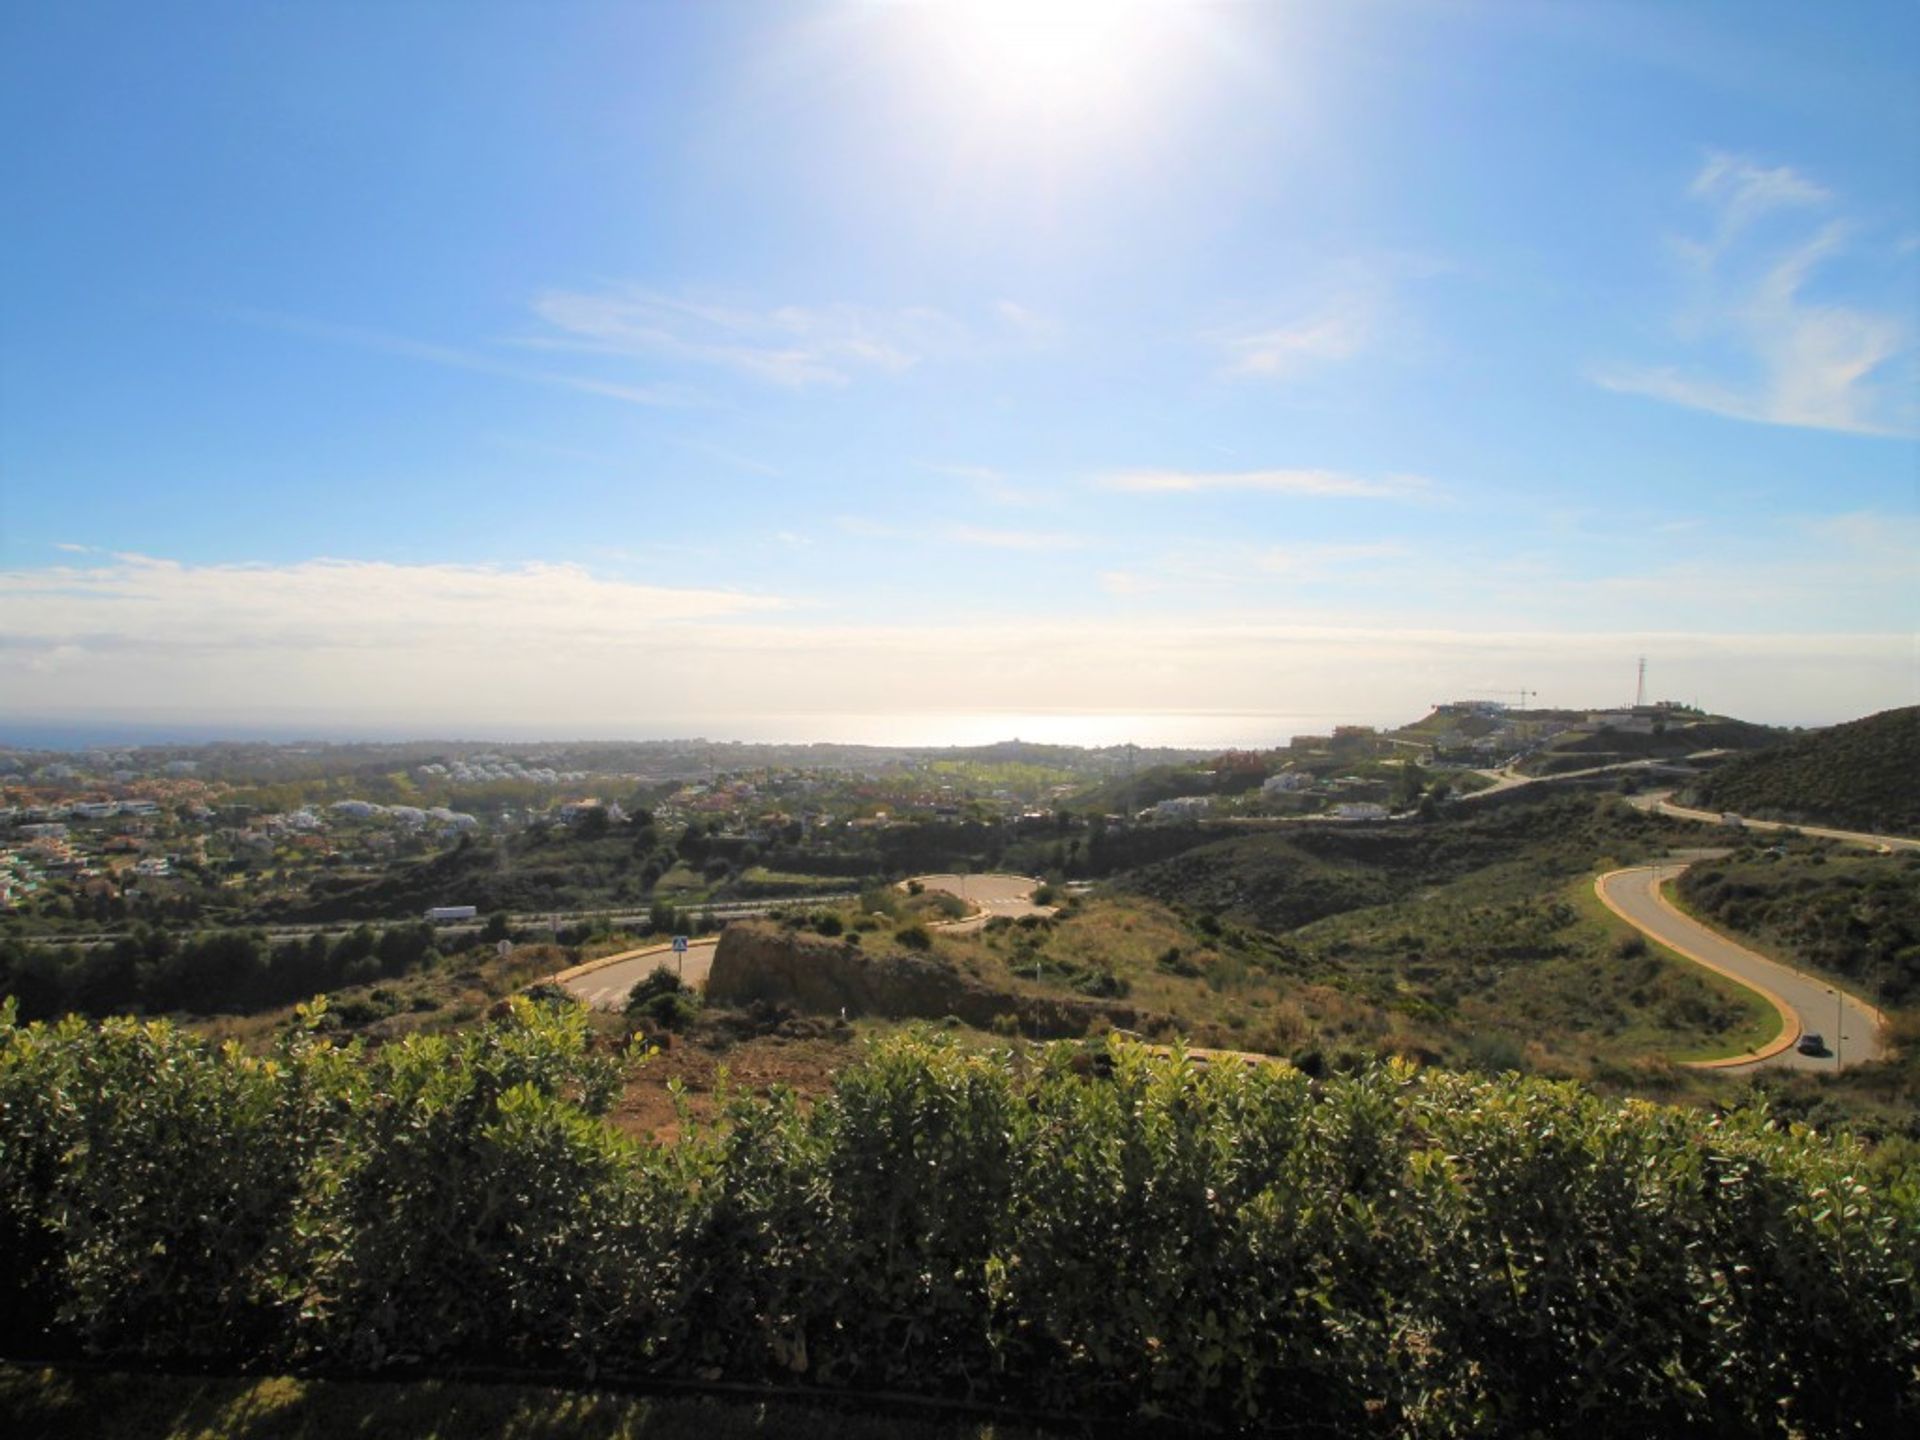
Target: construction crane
(1508,694)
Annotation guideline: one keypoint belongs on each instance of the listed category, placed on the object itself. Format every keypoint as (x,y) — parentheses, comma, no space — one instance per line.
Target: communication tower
(1640,690)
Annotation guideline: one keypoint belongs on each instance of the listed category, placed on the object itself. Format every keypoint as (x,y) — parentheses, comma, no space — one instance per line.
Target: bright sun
(1060,56)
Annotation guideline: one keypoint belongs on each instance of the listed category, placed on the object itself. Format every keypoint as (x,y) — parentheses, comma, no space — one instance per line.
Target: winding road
(1850,1026)
(990,895)
(604,983)
(1884,843)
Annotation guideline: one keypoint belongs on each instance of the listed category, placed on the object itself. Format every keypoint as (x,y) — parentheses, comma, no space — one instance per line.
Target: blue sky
(1154,370)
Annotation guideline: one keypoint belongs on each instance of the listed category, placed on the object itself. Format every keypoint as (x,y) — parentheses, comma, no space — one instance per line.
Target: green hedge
(1220,1249)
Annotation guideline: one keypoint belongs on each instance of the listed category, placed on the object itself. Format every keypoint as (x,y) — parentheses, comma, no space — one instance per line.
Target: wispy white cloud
(1742,191)
(1350,309)
(1329,483)
(1762,347)
(474,650)
(1875,544)
(1313,560)
(137,601)
(1025,323)
(789,345)
(455,358)
(1253,572)
(996,486)
(470,649)
(1334,330)
(949,532)
(1010,539)
(732,458)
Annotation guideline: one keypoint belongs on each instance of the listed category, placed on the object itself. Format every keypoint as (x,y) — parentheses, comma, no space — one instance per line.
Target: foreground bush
(1238,1249)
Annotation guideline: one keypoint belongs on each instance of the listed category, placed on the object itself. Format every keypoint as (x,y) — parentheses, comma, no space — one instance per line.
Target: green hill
(1864,775)
(1842,911)
(1278,880)
(1583,748)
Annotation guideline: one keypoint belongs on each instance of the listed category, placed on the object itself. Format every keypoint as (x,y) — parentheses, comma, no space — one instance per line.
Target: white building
(1287,782)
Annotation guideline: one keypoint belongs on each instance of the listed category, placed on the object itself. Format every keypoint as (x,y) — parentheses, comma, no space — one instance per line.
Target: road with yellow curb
(605,983)
(1850,1027)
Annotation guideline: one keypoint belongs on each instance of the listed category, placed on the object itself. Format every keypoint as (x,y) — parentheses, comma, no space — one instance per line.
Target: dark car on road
(1812,1043)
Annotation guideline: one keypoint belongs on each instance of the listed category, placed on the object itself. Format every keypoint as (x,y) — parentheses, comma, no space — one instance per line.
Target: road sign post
(680,955)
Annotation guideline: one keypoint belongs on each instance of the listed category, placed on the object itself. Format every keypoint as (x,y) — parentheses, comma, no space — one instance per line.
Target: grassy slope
(1863,775)
(1760,1023)
(1849,916)
(1279,880)
(52,1404)
(1474,941)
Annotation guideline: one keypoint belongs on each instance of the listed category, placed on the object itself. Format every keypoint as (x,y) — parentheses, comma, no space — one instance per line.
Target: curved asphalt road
(604,983)
(992,895)
(604,986)
(1882,843)
(1850,1027)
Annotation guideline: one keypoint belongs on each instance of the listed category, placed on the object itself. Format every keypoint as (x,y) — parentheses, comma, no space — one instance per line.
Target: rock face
(758,961)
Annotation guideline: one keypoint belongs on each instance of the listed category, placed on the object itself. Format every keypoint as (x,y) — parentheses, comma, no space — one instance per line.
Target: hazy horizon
(1171,730)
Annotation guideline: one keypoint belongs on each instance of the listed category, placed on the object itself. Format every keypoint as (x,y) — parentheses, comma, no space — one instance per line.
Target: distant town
(235,831)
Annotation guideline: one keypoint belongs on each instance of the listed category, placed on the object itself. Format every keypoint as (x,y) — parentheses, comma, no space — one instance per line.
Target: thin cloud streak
(140,601)
(1010,539)
(957,533)
(1338,331)
(994,486)
(453,358)
(1331,483)
(792,346)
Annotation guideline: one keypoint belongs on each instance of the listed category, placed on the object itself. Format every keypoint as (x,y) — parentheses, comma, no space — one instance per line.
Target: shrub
(1173,961)
(1215,1249)
(881,900)
(664,1000)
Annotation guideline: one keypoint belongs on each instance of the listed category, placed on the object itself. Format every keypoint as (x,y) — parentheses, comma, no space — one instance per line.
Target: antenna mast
(1640,691)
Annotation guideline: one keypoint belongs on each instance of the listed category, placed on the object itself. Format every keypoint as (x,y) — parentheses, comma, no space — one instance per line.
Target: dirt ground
(804,1059)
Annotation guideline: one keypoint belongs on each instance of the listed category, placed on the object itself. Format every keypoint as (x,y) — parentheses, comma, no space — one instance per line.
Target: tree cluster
(218,972)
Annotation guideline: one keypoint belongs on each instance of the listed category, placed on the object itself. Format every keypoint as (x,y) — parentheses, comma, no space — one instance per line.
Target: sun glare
(1046,55)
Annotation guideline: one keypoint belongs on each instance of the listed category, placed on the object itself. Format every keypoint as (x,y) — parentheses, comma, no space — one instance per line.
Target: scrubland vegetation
(1842,912)
(1864,775)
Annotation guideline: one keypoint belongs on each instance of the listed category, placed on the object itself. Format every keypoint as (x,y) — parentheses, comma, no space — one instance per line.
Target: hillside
(1850,914)
(1583,747)
(1864,775)
(1281,880)
(1475,941)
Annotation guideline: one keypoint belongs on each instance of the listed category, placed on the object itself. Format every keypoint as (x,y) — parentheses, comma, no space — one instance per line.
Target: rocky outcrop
(762,962)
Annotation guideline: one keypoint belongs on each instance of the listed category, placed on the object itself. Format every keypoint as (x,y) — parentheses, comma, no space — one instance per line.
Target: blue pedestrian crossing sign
(679,944)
